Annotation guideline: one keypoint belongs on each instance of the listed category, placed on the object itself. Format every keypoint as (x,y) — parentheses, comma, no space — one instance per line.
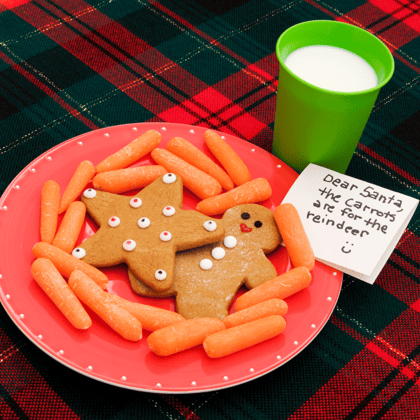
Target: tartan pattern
(70,67)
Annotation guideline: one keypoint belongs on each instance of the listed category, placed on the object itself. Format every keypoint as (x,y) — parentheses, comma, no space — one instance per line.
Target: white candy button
(218,253)
(230,242)
(165,236)
(169,178)
(168,211)
(89,193)
(114,221)
(129,245)
(160,275)
(135,202)
(144,222)
(206,264)
(210,225)
(78,253)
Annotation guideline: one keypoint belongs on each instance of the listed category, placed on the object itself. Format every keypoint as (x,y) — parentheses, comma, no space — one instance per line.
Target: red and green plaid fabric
(69,67)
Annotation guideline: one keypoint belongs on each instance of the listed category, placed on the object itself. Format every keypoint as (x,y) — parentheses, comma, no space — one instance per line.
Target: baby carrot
(252,192)
(280,287)
(229,159)
(57,289)
(294,236)
(151,318)
(194,156)
(133,151)
(70,227)
(83,174)
(66,263)
(122,180)
(260,310)
(197,181)
(98,301)
(231,340)
(50,202)
(182,335)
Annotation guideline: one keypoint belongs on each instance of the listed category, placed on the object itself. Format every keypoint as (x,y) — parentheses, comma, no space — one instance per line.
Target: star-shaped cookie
(145,231)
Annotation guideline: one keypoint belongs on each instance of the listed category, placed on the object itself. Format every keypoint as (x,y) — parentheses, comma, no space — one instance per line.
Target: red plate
(99,352)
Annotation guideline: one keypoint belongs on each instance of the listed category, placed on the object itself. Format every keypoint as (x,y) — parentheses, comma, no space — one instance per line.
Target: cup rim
(334,92)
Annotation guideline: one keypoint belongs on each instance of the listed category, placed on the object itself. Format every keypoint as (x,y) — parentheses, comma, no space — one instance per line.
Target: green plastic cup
(315,125)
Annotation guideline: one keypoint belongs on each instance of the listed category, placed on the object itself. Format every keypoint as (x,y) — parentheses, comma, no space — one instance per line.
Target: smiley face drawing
(344,250)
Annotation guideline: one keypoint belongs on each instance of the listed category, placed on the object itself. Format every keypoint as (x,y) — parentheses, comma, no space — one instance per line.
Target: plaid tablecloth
(69,67)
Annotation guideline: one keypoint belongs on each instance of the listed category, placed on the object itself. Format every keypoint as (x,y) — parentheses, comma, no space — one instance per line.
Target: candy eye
(245,216)
(135,202)
(144,222)
(258,224)
(168,211)
(169,178)
(78,253)
(210,225)
(160,275)
(129,245)
(114,221)
(89,193)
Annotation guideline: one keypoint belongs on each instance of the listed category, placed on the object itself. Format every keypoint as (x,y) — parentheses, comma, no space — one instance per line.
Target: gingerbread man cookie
(145,231)
(207,278)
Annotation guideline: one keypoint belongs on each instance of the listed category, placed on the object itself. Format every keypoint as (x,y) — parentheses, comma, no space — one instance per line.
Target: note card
(352,225)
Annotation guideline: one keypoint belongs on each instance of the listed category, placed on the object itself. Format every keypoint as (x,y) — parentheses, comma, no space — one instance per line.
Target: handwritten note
(352,225)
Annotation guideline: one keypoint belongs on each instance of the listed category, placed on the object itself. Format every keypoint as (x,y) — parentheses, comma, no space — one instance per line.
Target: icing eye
(168,211)
(114,221)
(89,193)
(206,264)
(169,178)
(78,252)
(218,253)
(165,236)
(258,224)
(210,225)
(144,222)
(230,242)
(135,202)
(160,275)
(245,216)
(129,245)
